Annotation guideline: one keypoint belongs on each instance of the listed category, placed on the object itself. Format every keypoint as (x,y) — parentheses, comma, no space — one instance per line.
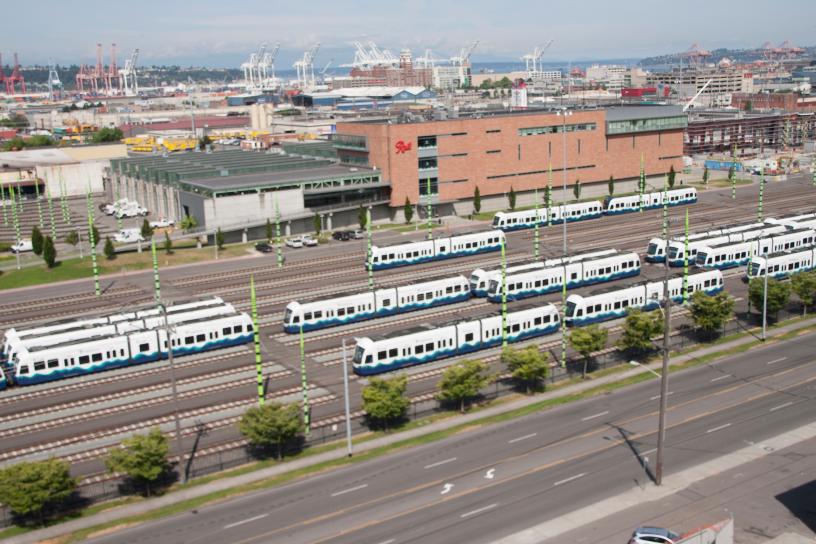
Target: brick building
(498,151)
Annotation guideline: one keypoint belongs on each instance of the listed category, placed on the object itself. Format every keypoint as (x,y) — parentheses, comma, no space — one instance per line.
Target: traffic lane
(495,510)
(445,453)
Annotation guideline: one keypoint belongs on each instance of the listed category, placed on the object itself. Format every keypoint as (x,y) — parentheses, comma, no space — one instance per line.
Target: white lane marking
(648,451)
(594,416)
(349,490)
(446,489)
(723,377)
(658,396)
(237,523)
(438,463)
(389,541)
(479,510)
(520,438)
(776,361)
(490,474)
(775,408)
(571,478)
(720,428)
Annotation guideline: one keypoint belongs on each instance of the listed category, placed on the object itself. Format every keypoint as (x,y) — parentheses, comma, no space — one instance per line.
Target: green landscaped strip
(411,442)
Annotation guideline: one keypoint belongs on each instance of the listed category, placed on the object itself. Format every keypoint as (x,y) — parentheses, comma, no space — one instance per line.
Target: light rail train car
(579,273)
(3,382)
(461,245)
(343,309)
(781,265)
(614,205)
(656,250)
(615,302)
(425,344)
(526,219)
(730,255)
(677,249)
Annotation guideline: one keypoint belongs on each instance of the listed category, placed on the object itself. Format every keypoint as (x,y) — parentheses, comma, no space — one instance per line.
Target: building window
(493,130)
(491,151)
(579,146)
(459,134)
(556,129)
(428,164)
(423,186)
(519,151)
(426,142)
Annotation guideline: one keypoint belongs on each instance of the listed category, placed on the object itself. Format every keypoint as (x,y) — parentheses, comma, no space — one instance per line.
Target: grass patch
(184,252)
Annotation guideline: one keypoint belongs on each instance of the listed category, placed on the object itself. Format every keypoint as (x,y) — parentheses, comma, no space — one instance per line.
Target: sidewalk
(340,452)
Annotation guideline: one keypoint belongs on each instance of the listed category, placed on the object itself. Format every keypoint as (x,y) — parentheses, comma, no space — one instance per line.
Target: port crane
(305,68)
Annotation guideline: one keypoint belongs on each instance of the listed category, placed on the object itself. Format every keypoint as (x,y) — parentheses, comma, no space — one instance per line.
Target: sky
(224,32)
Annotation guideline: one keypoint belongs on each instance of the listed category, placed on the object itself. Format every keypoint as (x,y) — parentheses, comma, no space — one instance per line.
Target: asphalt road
(490,482)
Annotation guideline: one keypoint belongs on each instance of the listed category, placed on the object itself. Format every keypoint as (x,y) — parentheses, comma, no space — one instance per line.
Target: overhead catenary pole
(369,253)
(665,206)
(3,203)
(278,244)
(564,256)
(641,183)
(349,443)
(303,383)
(764,298)
(813,172)
(732,172)
(686,259)
(16,220)
(39,204)
(94,266)
(174,390)
(504,294)
(430,209)
(761,194)
(66,213)
(156,283)
(51,213)
(549,194)
(664,375)
(536,235)
(257,339)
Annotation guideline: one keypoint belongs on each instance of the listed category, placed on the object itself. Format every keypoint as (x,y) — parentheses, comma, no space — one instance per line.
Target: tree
(639,329)
(109,250)
(486,84)
(269,232)
(671,175)
(576,189)
(384,400)
(95,233)
(146,230)
(611,185)
(463,381)
(72,238)
(168,244)
(219,238)
(317,223)
(143,457)
(49,252)
(749,106)
(477,200)
(28,487)
(588,340)
(731,173)
(528,365)
(107,135)
(362,217)
(511,198)
(711,313)
(189,222)
(272,425)
(803,285)
(778,294)
(203,142)
(37,241)
(408,211)
(705,176)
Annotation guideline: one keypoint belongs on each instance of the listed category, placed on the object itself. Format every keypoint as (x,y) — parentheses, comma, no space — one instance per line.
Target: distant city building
(691,81)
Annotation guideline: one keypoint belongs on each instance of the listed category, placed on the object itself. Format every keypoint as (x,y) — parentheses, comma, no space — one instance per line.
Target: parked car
(308,241)
(650,535)
(128,236)
(162,223)
(338,234)
(359,234)
(264,247)
(345,235)
(21,246)
(294,242)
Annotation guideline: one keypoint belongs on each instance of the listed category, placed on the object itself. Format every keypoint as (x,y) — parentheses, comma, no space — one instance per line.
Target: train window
(516,327)
(142,347)
(419,349)
(307,316)
(617,305)
(393,352)
(226,331)
(469,337)
(53,363)
(84,359)
(429,346)
(341,312)
(239,328)
(350,310)
(382,355)
(39,365)
(318,315)
(537,321)
(449,289)
(386,302)
(421,296)
(96,357)
(625,303)
(368,359)
(201,337)
(22,370)
(189,340)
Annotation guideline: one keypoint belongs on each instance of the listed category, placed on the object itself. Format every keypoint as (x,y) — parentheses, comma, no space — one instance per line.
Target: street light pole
(564,113)
(765,300)
(346,402)
(664,375)
(176,418)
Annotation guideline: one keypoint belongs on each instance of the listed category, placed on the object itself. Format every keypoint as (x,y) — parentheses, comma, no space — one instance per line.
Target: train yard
(79,419)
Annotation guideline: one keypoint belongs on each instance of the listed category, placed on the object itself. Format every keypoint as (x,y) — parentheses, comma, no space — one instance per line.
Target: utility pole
(430,209)
(369,255)
(564,256)
(176,415)
(349,444)
(641,183)
(549,194)
(536,242)
(664,375)
(686,259)
(764,298)
(504,294)
(666,208)
(257,338)
(761,192)
(303,383)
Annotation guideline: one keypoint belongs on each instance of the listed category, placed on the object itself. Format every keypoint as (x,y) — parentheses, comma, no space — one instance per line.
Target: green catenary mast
(549,194)
(94,265)
(641,183)
(39,204)
(303,383)
(257,338)
(156,283)
(536,234)
(51,213)
(761,194)
(278,244)
(685,258)
(5,217)
(369,253)
(504,293)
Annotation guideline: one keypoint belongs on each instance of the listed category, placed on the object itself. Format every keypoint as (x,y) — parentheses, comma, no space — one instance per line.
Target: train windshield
(494,287)
(474,280)
(496,220)
(701,258)
(755,269)
(673,252)
(287,316)
(652,250)
(570,308)
(358,355)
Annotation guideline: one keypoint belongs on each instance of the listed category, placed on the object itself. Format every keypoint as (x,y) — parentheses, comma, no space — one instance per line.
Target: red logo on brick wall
(402,147)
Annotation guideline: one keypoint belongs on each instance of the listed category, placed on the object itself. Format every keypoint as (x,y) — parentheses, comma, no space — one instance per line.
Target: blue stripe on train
(322,324)
(369,370)
(429,258)
(119,363)
(724,265)
(570,285)
(523,226)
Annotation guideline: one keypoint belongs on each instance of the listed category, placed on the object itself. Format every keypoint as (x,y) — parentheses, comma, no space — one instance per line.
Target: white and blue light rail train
(793,221)
(461,245)
(3,382)
(344,309)
(677,248)
(81,357)
(731,255)
(615,302)
(781,265)
(579,273)
(480,278)
(656,250)
(580,211)
(425,344)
